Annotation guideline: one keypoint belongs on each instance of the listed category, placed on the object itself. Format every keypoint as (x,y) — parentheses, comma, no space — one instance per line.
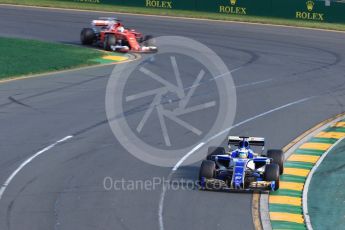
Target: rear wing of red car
(253,141)
(103,21)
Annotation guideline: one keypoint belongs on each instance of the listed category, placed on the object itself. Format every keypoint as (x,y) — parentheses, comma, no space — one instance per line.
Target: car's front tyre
(148,40)
(278,157)
(207,169)
(109,41)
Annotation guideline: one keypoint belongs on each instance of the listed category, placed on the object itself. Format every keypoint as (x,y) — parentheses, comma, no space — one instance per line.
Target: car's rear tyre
(272,174)
(87,36)
(109,41)
(212,151)
(278,157)
(207,169)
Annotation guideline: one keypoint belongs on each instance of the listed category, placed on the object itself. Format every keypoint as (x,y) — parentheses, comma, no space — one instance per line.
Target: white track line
(180,162)
(27,161)
(254,83)
(307,183)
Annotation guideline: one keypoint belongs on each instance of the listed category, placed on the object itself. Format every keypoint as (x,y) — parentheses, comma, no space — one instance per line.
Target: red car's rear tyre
(87,36)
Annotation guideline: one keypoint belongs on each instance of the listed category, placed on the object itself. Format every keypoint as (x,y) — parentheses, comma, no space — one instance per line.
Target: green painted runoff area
(326,195)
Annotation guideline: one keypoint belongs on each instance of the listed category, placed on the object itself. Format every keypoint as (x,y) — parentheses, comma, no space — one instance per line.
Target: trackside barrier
(309,10)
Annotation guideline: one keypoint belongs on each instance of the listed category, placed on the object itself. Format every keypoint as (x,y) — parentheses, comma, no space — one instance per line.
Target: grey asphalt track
(63,188)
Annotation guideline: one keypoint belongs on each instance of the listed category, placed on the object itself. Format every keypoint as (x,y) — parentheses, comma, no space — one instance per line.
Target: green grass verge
(22,57)
(178,13)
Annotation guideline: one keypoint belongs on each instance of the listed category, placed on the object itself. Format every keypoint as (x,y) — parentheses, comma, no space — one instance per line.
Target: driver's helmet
(244,144)
(121,29)
(243,153)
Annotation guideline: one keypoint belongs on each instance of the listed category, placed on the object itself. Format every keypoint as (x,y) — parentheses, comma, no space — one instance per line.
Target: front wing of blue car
(217,184)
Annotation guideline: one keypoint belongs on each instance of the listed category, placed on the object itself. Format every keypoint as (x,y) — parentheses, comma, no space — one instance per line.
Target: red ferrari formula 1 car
(111,35)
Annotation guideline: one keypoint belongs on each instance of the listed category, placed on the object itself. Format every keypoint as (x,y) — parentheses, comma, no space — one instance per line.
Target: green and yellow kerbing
(110,58)
(285,205)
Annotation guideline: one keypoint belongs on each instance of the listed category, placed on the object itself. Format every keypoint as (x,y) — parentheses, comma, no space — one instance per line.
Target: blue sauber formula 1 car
(242,169)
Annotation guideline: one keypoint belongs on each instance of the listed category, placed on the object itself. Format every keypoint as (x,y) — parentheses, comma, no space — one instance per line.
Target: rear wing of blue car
(253,141)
